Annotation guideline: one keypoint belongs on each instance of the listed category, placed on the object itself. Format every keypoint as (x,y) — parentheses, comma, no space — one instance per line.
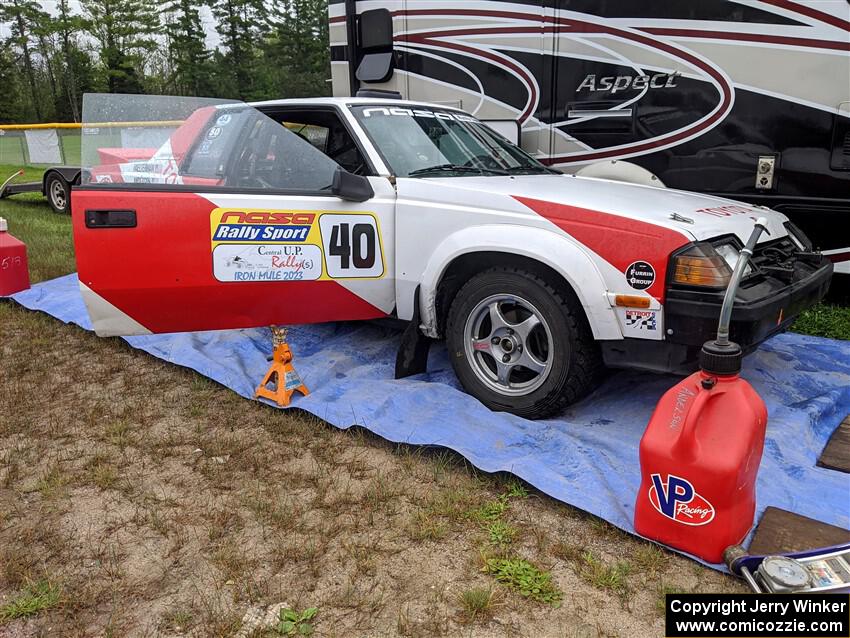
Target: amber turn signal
(700,265)
(632,301)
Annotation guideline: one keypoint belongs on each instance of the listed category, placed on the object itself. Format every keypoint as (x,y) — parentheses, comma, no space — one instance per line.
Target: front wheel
(519,345)
(58,193)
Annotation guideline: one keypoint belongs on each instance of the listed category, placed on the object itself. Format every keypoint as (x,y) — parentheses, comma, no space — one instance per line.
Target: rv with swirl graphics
(739,99)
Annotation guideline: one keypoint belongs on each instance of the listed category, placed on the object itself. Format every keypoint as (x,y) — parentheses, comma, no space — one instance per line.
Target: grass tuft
(501,533)
(477,602)
(524,577)
(490,511)
(604,576)
(35,597)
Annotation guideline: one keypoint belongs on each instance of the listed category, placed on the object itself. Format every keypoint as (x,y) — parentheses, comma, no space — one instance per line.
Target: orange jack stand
(281,374)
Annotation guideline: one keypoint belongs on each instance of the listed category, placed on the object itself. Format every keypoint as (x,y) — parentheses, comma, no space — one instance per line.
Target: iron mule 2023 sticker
(294,245)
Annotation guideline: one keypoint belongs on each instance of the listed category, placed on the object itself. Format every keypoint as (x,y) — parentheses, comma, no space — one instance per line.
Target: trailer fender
(563,255)
(70,174)
(620,171)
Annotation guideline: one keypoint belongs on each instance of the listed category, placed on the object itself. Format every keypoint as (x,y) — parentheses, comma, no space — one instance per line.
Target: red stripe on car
(618,240)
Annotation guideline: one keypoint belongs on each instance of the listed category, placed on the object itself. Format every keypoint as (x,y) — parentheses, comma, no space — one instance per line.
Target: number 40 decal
(352,246)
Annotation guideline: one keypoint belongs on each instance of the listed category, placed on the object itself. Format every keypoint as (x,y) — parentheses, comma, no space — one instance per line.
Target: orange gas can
(14,272)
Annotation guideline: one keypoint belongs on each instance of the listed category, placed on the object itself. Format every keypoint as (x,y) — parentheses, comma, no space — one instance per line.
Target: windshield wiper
(444,168)
(515,170)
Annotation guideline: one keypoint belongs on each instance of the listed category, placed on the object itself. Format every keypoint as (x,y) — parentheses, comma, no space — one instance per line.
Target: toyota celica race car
(314,210)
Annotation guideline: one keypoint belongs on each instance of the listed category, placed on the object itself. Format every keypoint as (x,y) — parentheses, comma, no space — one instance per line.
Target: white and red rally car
(312,210)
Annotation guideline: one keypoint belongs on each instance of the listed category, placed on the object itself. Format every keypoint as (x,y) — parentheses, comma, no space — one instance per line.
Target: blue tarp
(587,457)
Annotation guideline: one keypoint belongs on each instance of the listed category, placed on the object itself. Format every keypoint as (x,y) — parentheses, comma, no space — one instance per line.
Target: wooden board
(836,454)
(781,532)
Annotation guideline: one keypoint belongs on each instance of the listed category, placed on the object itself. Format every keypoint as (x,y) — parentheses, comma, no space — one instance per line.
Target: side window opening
(327,133)
(272,157)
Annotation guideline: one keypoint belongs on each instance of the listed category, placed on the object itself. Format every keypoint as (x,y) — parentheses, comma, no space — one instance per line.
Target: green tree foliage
(191,72)
(240,24)
(264,50)
(124,30)
(12,99)
(298,45)
(24,17)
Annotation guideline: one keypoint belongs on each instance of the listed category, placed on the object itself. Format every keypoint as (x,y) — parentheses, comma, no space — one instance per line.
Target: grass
(50,246)
(477,602)
(604,576)
(501,533)
(35,597)
(825,320)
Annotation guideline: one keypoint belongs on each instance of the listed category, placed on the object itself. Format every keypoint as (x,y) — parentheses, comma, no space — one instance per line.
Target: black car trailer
(55,185)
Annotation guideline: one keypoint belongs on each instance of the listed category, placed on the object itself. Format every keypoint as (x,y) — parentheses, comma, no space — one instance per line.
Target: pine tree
(21,14)
(124,30)
(11,97)
(188,51)
(239,23)
(299,48)
(66,26)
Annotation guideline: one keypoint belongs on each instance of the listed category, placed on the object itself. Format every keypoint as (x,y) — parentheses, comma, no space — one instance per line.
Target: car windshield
(427,142)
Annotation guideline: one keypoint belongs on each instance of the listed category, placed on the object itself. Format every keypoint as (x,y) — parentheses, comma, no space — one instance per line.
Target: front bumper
(764,306)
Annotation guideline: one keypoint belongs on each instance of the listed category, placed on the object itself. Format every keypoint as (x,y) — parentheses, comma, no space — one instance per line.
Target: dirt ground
(145,500)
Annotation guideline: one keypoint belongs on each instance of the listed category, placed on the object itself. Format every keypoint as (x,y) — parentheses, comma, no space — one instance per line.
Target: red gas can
(14,273)
(701,450)
(698,458)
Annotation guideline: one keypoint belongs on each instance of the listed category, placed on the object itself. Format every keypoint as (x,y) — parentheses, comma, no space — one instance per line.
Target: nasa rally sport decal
(679,501)
(640,275)
(294,245)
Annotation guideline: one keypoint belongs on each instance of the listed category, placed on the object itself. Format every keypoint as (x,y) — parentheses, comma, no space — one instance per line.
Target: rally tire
(58,193)
(573,362)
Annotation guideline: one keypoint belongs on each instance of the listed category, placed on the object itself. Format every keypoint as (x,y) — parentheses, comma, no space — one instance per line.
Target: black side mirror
(354,188)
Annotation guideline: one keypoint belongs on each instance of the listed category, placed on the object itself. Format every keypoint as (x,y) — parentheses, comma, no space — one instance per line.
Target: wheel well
(69,174)
(462,268)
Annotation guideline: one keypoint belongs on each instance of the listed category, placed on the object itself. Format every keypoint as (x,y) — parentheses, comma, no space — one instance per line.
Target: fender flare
(560,253)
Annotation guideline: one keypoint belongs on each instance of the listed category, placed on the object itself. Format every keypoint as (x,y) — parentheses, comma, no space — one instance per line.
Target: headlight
(730,254)
(701,265)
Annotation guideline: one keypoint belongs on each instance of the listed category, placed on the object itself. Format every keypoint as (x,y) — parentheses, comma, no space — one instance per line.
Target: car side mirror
(354,188)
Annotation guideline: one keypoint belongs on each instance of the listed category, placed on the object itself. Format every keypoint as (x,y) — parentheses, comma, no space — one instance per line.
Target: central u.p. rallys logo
(679,501)
(261,226)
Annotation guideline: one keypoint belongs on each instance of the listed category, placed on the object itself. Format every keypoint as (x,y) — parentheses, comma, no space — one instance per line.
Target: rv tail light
(700,265)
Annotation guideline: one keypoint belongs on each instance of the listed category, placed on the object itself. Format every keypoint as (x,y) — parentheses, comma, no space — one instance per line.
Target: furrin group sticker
(640,275)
